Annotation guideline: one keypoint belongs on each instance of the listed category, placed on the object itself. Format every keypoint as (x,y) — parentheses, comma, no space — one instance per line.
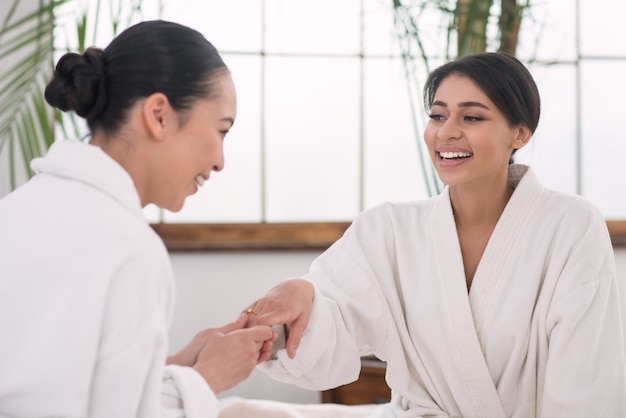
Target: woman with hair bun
(86,286)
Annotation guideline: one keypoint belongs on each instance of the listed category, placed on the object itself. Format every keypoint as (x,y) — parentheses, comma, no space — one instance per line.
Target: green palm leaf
(26,54)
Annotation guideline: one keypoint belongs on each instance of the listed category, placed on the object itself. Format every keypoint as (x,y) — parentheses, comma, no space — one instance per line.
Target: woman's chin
(174,206)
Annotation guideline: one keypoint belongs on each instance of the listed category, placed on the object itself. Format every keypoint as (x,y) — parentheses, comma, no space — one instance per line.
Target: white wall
(213,288)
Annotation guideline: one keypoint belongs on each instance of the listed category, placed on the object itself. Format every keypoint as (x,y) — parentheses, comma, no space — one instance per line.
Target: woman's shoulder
(570,205)
(573,218)
(402,209)
(391,219)
(556,204)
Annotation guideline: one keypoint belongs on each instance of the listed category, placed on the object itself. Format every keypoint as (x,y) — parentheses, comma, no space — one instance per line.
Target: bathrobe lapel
(492,272)
(482,399)
(467,312)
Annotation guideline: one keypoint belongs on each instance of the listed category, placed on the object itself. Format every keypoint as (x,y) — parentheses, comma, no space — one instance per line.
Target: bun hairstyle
(78,84)
(149,57)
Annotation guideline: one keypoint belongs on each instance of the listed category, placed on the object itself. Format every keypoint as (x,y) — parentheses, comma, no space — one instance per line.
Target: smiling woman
(495,276)
(303,158)
(158,101)
(300,157)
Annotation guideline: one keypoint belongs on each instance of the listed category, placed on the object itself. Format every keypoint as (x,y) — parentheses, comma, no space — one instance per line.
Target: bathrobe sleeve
(130,378)
(351,324)
(584,374)
(185,394)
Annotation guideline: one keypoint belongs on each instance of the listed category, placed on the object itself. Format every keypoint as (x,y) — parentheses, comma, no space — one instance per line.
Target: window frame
(296,236)
(293,236)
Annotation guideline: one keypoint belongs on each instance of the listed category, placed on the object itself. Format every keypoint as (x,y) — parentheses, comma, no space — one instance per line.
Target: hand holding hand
(290,302)
(189,354)
(227,355)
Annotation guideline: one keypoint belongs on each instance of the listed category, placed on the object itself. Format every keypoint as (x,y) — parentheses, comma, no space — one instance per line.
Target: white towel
(259,408)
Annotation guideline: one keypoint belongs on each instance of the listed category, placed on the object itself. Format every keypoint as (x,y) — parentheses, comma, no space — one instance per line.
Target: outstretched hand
(290,303)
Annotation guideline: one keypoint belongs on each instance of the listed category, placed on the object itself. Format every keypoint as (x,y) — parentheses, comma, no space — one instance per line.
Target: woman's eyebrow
(473,104)
(462,104)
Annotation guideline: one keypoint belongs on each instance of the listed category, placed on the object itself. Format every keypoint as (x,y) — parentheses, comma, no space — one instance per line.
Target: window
(325,130)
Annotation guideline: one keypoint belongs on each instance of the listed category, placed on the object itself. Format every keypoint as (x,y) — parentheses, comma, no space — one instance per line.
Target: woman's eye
(435,116)
(473,118)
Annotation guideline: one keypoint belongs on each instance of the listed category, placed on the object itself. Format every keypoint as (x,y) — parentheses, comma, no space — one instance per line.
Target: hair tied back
(79,84)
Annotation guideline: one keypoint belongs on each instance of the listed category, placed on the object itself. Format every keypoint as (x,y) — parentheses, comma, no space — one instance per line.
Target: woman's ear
(523,137)
(156,111)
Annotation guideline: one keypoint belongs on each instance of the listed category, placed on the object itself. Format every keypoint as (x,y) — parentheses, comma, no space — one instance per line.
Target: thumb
(240,323)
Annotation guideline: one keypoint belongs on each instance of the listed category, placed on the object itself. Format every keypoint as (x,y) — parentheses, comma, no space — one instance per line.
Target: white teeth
(200,180)
(455,154)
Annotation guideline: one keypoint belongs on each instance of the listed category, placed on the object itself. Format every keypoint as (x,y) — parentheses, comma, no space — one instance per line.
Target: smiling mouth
(454,155)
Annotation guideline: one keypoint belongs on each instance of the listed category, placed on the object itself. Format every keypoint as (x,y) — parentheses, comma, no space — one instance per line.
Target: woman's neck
(479,205)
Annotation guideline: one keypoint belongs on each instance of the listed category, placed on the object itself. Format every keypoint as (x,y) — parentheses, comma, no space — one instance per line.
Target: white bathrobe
(86,298)
(538,335)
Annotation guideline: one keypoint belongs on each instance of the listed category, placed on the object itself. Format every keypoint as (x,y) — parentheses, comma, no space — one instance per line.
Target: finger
(268,316)
(240,323)
(294,336)
(263,356)
(267,345)
(266,351)
(252,313)
(292,346)
(261,333)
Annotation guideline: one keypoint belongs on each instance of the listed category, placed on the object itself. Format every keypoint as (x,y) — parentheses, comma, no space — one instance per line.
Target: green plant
(461,27)
(26,47)
(29,44)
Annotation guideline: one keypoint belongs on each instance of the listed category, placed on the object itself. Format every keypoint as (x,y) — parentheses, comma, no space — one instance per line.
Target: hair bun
(78,84)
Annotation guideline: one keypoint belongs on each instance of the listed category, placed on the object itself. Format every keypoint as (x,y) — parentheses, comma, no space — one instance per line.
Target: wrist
(213,384)
(180,359)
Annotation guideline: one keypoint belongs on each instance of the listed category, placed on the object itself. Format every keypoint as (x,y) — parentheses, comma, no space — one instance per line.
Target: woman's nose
(449,130)
(219,164)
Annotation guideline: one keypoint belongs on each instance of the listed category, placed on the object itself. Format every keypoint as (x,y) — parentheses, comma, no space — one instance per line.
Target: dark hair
(149,57)
(503,78)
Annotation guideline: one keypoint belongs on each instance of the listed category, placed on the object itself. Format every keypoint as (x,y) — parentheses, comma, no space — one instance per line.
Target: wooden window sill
(250,236)
(314,236)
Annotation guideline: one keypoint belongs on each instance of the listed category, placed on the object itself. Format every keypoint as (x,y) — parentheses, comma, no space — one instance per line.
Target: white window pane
(234,195)
(321,26)
(552,150)
(98,16)
(603,134)
(233,25)
(379,36)
(602,27)
(548,31)
(393,169)
(312,134)
(313,156)
(431,38)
